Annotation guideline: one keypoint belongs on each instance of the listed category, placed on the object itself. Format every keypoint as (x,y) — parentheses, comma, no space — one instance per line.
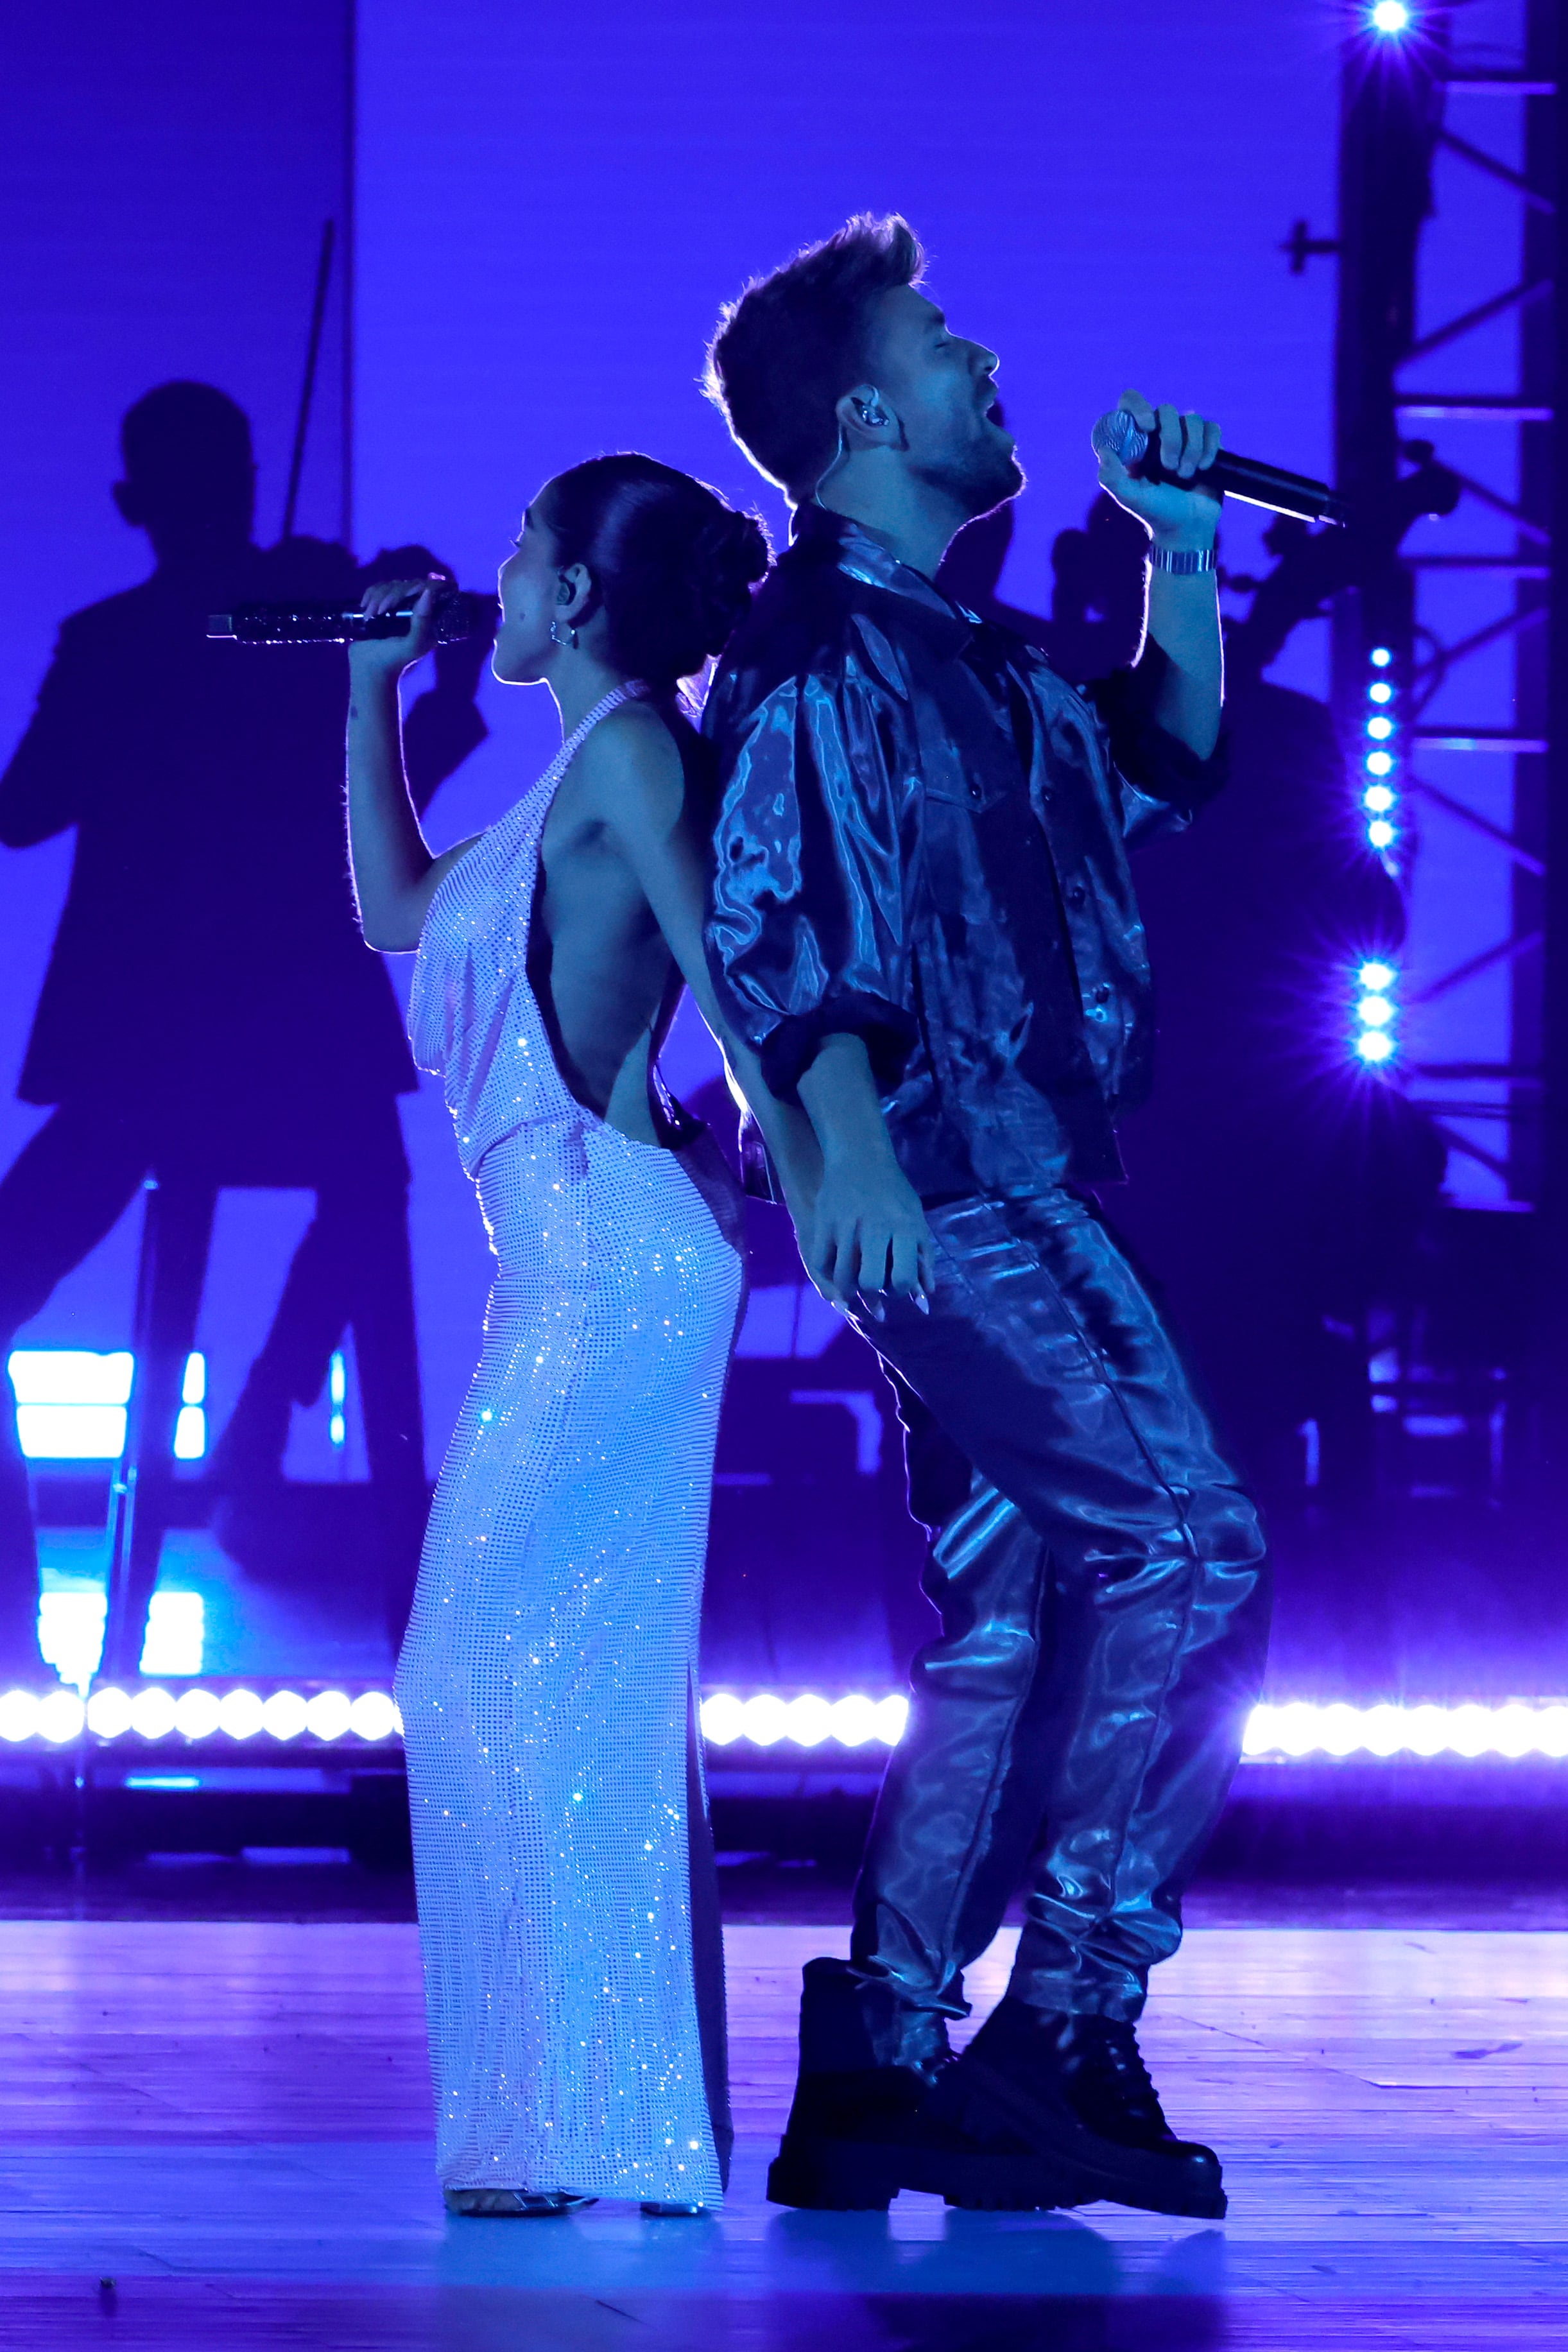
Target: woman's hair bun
(672,562)
(729,555)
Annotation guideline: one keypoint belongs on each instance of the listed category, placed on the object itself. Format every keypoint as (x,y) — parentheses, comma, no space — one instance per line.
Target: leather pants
(1101,1578)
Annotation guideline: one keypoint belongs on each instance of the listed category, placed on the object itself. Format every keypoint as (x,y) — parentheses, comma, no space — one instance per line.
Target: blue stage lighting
(71,1404)
(1381,764)
(1517,1729)
(1375,1008)
(1390,17)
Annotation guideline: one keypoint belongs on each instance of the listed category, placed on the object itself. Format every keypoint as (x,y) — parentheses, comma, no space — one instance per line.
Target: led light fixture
(156,1714)
(805,1722)
(1389,17)
(71,1404)
(1374,1011)
(1380,758)
(70,1632)
(1516,1730)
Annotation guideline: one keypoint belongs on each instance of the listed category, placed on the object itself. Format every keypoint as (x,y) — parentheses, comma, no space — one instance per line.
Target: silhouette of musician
(210,1015)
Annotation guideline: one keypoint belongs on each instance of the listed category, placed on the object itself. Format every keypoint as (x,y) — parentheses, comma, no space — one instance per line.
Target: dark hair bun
(673,565)
(729,555)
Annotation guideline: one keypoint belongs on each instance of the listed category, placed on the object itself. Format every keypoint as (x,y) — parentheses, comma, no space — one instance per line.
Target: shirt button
(1076,895)
(974,792)
(1102,993)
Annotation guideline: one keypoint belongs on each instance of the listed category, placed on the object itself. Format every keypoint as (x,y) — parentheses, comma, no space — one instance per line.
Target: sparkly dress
(567,1913)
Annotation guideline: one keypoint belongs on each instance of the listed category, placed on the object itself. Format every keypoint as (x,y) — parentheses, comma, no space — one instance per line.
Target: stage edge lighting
(154,1714)
(1513,1730)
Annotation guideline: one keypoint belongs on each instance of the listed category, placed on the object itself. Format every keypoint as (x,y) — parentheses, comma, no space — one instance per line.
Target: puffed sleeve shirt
(921,840)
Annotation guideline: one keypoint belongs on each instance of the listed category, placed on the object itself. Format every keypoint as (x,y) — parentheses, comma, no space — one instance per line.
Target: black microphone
(1121,436)
(457,616)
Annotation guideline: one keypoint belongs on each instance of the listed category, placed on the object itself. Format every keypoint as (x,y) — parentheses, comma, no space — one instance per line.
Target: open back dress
(568,1918)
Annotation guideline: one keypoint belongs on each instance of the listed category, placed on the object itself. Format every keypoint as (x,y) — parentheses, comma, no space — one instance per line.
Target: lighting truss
(1524,268)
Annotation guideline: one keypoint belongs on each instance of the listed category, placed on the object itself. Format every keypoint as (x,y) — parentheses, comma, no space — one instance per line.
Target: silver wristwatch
(1183,560)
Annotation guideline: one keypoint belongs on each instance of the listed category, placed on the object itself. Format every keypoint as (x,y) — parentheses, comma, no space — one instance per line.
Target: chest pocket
(969,754)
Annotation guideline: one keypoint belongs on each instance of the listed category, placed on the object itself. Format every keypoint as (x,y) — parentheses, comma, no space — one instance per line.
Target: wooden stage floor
(218,2135)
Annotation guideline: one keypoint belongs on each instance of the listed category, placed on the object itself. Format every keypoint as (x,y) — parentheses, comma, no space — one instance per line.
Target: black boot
(859,2131)
(1076,2090)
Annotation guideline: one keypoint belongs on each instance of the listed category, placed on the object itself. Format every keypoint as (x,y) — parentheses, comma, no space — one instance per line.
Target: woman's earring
(556,637)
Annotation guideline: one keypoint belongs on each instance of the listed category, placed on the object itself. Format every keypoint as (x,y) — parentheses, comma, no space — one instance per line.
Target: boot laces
(1123,2068)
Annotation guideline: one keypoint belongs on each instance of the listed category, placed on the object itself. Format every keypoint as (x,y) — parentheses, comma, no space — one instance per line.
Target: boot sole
(833,2176)
(985,2104)
(847,2176)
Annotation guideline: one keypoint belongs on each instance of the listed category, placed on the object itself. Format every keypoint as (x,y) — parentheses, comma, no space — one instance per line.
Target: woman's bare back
(599,964)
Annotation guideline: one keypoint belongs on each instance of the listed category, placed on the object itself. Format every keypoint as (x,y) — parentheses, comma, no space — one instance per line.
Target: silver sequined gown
(546,1682)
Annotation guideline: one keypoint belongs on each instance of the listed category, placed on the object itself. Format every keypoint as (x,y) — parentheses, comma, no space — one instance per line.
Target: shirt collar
(817,529)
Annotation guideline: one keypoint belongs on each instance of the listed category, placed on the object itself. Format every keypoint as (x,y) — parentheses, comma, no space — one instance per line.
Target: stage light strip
(155,1714)
(1301,1728)
(803,1722)
(1515,1730)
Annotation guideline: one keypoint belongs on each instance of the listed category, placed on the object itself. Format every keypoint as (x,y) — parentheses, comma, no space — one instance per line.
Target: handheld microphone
(457,616)
(1249,478)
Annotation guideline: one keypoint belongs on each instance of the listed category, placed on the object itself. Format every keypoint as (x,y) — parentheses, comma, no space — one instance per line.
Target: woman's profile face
(529,588)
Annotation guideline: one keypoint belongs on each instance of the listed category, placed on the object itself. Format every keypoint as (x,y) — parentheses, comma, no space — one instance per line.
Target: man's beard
(975,480)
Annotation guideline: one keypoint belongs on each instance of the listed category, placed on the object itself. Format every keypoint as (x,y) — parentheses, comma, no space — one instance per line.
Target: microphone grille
(1120,434)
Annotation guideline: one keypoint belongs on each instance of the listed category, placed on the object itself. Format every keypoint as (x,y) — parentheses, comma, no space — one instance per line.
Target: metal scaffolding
(1412,93)
(1399,91)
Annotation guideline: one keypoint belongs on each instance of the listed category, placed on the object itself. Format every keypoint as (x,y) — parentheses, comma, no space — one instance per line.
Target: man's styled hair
(788,350)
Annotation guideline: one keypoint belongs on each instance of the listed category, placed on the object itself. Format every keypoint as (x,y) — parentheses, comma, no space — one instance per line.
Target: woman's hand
(388,658)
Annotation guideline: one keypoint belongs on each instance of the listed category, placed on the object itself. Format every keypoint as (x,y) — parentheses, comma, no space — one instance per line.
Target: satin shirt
(922,839)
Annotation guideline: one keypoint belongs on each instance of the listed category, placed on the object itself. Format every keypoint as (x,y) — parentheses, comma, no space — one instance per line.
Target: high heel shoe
(513,2204)
(658,2208)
